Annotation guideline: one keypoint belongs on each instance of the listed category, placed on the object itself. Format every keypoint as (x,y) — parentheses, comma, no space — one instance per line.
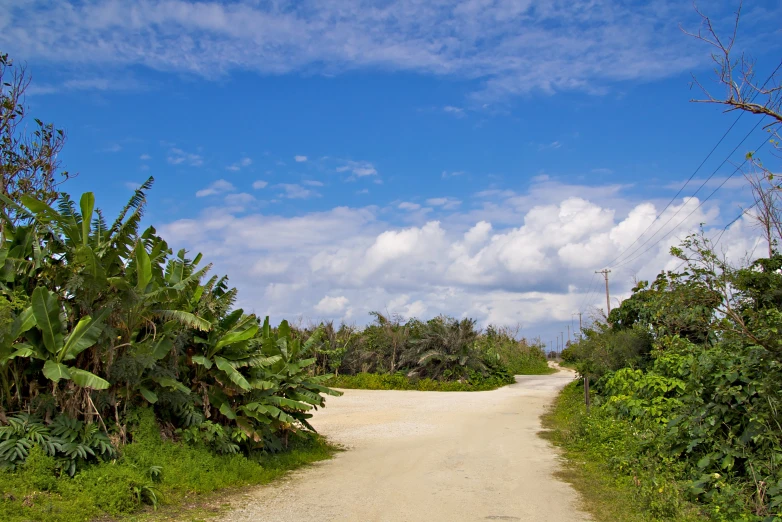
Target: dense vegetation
(443,354)
(685,376)
(124,367)
(127,377)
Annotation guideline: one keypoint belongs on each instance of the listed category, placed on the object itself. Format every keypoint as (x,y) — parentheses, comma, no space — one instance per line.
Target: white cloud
(293,191)
(509,47)
(312,183)
(259,184)
(406,205)
(239,165)
(446,203)
(300,159)
(554,145)
(510,257)
(145,157)
(239,200)
(178,156)
(455,111)
(358,168)
(453,174)
(218,187)
(332,305)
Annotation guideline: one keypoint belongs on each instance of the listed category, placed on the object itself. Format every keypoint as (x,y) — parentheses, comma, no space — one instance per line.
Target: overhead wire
(629,260)
(662,227)
(589,291)
(658,216)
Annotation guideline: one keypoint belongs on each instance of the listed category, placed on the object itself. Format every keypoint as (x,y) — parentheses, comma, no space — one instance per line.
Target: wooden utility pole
(568,333)
(605,273)
(562,335)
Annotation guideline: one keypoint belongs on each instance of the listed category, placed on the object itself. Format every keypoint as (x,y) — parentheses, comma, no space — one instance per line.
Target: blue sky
(476,158)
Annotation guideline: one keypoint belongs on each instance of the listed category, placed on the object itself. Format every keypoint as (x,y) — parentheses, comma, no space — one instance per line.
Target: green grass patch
(128,485)
(533,367)
(398,381)
(613,485)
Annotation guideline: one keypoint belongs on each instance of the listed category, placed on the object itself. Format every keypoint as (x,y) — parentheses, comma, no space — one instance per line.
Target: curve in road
(427,456)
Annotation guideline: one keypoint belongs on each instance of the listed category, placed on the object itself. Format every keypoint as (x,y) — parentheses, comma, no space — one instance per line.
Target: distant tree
(28,160)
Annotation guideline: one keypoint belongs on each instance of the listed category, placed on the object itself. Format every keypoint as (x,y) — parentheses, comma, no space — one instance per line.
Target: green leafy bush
(702,399)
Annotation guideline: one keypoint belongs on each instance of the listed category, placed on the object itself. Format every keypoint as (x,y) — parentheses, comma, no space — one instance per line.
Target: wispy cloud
(554,145)
(446,203)
(510,47)
(294,191)
(114,147)
(454,111)
(300,159)
(358,168)
(407,205)
(260,184)
(145,157)
(178,156)
(88,84)
(312,183)
(452,174)
(218,187)
(239,165)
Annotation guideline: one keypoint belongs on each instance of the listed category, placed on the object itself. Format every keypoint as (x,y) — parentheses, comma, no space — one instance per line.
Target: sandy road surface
(427,456)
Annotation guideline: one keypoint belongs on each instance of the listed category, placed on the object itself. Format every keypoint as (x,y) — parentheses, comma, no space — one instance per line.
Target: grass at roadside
(396,381)
(124,488)
(610,492)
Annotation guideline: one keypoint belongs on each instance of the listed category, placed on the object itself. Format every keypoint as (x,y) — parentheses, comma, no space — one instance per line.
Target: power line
(626,261)
(734,220)
(716,241)
(589,291)
(658,216)
(623,262)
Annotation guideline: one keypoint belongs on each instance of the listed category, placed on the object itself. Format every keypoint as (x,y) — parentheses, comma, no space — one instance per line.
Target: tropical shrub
(392,353)
(100,320)
(700,395)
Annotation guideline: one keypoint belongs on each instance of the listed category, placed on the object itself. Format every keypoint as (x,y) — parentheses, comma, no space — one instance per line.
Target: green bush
(615,466)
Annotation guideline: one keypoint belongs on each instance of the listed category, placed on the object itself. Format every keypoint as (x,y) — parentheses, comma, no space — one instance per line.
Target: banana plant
(44,327)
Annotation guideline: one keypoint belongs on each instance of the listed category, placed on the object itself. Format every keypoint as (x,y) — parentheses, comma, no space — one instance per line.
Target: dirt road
(427,456)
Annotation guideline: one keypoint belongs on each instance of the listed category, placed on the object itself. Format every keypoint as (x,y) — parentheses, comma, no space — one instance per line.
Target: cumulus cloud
(259,184)
(332,305)
(218,187)
(406,205)
(509,47)
(513,257)
(300,159)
